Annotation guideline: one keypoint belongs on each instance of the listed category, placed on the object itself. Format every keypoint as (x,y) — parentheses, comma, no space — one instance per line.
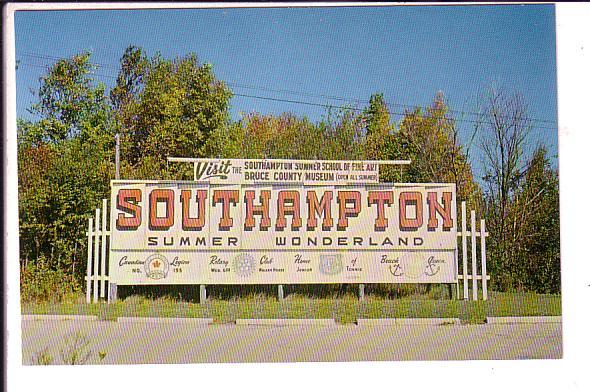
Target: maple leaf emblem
(156,267)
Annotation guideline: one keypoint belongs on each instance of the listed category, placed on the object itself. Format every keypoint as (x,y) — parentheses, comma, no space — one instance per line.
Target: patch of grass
(43,357)
(344,309)
(524,304)
(108,312)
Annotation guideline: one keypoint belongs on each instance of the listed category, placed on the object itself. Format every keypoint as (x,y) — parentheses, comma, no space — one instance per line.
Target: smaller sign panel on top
(283,171)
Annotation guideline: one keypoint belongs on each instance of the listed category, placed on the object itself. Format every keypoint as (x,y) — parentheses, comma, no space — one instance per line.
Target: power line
(47,67)
(293,92)
(292,101)
(356,100)
(48,57)
(324,105)
(328,106)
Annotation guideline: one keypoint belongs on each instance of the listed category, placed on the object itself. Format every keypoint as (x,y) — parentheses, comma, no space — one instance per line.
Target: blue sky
(407,53)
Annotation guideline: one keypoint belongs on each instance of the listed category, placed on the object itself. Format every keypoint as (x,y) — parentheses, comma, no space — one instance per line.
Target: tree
(381,141)
(537,242)
(69,104)
(287,136)
(134,67)
(65,164)
(503,127)
(430,140)
(376,116)
(341,135)
(166,108)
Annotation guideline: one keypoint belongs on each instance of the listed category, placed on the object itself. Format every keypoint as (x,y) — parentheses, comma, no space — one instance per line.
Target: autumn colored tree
(265,136)
(337,136)
(430,140)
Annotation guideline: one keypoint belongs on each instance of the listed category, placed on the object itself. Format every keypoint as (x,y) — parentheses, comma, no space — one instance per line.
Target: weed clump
(76,349)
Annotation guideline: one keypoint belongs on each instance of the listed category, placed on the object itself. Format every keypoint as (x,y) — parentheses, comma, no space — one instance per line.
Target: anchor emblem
(431,268)
(397,271)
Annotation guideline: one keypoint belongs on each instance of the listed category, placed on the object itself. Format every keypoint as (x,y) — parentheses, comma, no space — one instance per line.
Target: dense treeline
(177,107)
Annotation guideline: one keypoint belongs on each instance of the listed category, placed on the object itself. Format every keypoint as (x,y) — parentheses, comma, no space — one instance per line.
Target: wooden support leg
(361,292)
(281,292)
(112,293)
(202,294)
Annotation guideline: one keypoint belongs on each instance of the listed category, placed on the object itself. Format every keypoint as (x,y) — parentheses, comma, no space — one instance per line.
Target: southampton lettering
(284,210)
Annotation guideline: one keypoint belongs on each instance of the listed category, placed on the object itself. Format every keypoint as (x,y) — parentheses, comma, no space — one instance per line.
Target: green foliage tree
(64,165)
(533,215)
(521,199)
(70,104)
(381,139)
(166,108)
(539,238)
(376,116)
(134,67)
(161,108)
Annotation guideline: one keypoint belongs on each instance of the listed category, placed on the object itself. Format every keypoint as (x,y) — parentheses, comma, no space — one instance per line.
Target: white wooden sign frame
(103,256)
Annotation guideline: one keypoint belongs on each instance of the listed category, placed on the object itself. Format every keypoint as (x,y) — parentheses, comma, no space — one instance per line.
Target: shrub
(39,283)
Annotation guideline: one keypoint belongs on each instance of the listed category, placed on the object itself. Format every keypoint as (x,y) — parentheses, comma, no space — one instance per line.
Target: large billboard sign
(199,232)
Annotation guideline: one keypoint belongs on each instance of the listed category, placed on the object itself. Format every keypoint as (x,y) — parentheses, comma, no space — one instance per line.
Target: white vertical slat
(103,250)
(457,272)
(474,255)
(96,255)
(484,272)
(464,245)
(89,263)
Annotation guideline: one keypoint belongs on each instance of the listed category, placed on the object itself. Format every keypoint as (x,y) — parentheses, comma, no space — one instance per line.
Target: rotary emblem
(244,265)
(156,267)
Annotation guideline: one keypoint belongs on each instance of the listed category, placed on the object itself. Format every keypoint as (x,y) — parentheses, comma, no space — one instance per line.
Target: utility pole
(112,289)
(116,156)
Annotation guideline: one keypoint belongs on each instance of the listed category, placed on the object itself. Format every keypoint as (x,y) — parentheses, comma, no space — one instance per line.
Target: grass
(43,357)
(344,309)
